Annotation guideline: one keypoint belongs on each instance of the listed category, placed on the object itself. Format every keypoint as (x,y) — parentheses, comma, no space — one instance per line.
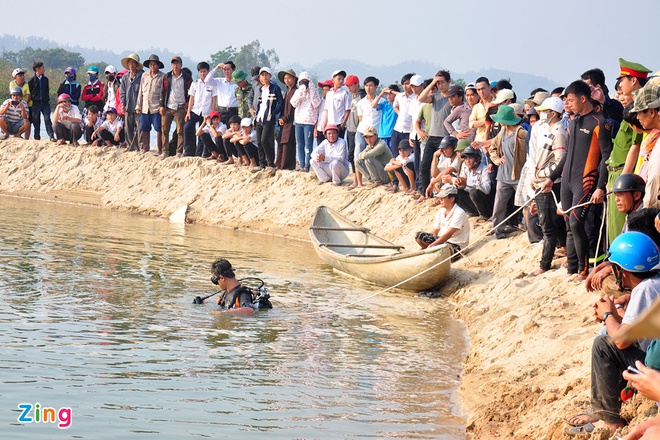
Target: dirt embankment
(530,339)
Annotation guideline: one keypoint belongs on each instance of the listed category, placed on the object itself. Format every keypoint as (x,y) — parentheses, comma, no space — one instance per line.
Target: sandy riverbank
(528,363)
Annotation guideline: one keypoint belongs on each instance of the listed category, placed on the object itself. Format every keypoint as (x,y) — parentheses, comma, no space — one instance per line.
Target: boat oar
(200,300)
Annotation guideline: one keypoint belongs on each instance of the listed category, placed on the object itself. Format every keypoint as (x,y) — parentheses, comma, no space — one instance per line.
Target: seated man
(451,224)
(403,168)
(66,121)
(628,193)
(236,298)
(111,131)
(14,116)
(371,162)
(634,258)
(474,185)
(330,158)
(445,164)
(91,122)
(210,132)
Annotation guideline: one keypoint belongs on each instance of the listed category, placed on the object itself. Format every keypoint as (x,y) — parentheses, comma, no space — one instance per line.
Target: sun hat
(537,99)
(238,76)
(246,122)
(503,95)
(283,73)
(304,76)
(134,57)
(553,103)
(154,58)
(462,145)
(265,70)
(506,116)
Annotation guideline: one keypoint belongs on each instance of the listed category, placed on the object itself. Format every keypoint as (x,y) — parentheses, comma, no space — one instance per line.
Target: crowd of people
(545,164)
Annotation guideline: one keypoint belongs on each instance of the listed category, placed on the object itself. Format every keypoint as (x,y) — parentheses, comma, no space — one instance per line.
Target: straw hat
(134,57)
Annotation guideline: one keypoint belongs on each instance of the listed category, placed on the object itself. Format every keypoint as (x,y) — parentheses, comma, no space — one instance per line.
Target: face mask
(543,116)
(92,78)
(70,78)
(110,77)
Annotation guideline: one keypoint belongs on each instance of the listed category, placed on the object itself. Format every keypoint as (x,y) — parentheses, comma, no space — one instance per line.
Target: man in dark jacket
(270,107)
(177,83)
(39,91)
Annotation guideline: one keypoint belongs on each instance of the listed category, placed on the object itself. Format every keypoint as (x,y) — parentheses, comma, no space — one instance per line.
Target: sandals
(588,418)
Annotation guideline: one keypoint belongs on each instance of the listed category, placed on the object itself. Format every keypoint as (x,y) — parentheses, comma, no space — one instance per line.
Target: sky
(556,39)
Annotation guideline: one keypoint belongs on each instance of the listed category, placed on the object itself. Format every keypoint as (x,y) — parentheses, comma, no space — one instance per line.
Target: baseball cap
(404,145)
(246,122)
(503,95)
(416,80)
(455,91)
(17,71)
(214,114)
(110,69)
(370,131)
(326,83)
(351,80)
(339,72)
(446,190)
(647,97)
(553,103)
(518,109)
(177,59)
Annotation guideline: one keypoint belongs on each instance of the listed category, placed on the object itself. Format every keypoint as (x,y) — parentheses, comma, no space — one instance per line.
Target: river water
(96,315)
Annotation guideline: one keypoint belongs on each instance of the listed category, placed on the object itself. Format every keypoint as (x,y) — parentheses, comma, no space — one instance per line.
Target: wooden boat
(351,249)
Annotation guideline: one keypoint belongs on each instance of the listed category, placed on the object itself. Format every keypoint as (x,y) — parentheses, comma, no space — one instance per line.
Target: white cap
(304,76)
(416,80)
(265,69)
(554,103)
(446,190)
(17,71)
(503,95)
(246,122)
(110,69)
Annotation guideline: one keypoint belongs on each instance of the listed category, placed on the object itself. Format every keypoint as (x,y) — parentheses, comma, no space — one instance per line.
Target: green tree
(248,56)
(53,58)
(227,54)
(460,82)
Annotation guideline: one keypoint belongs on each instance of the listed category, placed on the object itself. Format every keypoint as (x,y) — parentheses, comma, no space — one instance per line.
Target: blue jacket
(274,104)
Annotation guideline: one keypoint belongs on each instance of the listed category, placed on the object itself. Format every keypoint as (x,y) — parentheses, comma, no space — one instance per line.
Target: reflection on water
(96,314)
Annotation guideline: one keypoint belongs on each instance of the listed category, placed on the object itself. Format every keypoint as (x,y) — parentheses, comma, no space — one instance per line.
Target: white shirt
(265,92)
(414,106)
(370,116)
(476,179)
(221,128)
(337,151)
(404,121)
(405,160)
(337,103)
(446,162)
(456,218)
(73,112)
(226,92)
(203,94)
(112,96)
(112,128)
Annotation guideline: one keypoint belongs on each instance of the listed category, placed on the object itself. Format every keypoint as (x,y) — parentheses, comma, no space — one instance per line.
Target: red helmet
(63,97)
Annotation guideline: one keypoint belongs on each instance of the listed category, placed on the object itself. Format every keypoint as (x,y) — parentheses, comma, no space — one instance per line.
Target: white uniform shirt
(337,103)
(203,93)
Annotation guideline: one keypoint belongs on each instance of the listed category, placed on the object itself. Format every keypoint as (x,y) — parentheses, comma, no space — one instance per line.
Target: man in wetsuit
(235,296)
(583,172)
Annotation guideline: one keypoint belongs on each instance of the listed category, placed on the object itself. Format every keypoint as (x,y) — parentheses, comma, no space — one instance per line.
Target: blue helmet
(635,252)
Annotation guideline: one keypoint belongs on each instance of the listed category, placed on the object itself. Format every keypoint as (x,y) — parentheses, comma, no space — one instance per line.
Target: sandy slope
(528,363)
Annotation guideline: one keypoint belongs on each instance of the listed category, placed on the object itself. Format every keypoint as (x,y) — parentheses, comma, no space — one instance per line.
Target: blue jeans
(304,143)
(149,119)
(360,145)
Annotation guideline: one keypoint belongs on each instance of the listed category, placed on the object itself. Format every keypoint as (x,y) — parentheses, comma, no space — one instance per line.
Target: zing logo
(63,417)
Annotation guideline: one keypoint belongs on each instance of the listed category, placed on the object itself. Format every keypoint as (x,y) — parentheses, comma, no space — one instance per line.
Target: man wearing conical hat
(128,94)
(151,102)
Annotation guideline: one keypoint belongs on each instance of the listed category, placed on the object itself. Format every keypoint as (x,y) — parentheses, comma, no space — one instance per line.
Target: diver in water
(236,298)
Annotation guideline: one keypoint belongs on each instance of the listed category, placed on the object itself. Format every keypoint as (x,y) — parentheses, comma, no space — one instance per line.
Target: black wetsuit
(237,297)
(582,170)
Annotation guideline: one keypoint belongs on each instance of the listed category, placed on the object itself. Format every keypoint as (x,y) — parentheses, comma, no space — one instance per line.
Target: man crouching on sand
(451,224)
(330,159)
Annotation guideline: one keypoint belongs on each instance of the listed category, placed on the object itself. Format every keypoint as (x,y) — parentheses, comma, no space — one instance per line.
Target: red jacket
(93,94)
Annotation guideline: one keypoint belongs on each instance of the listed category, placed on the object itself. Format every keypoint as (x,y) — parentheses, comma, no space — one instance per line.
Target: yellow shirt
(26,90)
(479,114)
